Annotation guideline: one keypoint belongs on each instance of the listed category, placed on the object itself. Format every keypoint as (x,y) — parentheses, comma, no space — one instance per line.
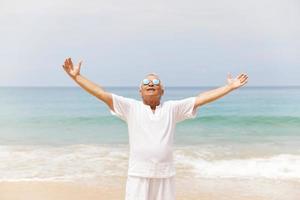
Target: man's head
(151,87)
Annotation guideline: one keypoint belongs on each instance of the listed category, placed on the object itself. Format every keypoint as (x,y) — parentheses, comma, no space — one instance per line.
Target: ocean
(64,133)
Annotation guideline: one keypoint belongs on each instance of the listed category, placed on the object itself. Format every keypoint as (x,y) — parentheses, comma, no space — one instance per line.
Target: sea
(66,134)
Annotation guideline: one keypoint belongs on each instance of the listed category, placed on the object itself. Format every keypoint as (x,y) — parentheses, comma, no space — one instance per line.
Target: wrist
(230,87)
(75,77)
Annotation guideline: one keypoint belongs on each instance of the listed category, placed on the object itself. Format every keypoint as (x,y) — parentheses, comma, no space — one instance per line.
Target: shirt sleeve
(122,106)
(184,109)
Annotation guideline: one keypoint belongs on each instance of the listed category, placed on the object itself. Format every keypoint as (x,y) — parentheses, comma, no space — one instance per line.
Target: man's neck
(152,103)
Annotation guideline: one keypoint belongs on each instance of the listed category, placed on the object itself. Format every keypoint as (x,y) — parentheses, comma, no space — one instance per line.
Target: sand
(186,190)
(55,191)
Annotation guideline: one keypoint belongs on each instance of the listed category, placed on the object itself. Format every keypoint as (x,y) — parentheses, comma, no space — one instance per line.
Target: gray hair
(152,74)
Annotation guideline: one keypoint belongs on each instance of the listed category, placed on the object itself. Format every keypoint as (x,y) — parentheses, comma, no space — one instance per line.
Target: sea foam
(75,162)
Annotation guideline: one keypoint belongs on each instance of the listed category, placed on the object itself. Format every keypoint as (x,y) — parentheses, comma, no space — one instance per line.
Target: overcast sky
(188,43)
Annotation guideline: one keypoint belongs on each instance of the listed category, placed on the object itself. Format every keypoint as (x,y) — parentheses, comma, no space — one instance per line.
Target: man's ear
(162,92)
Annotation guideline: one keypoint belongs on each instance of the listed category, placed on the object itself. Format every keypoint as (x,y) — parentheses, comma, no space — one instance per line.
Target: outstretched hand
(237,82)
(70,69)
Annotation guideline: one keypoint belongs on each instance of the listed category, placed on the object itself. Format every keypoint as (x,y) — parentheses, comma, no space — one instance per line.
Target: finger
(245,77)
(240,76)
(79,65)
(69,63)
(244,83)
(67,66)
(245,80)
(229,76)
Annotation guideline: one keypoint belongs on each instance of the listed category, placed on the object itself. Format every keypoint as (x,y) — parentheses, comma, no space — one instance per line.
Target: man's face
(151,90)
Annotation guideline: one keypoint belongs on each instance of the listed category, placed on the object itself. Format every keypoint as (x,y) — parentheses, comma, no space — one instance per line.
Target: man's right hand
(89,86)
(70,69)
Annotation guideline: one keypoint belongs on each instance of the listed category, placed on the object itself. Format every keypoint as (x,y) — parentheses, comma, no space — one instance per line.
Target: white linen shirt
(151,134)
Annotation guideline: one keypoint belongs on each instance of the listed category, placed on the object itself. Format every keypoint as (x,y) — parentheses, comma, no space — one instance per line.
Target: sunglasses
(154,81)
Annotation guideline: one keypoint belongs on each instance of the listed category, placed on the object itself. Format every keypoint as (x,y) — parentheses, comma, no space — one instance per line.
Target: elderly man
(151,126)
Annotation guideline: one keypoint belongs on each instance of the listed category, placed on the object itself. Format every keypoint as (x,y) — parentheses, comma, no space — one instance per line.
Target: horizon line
(61,86)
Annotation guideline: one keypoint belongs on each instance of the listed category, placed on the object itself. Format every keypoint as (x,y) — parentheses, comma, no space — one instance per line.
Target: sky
(188,43)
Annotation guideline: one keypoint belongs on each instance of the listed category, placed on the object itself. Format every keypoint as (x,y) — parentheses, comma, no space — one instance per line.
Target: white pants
(140,188)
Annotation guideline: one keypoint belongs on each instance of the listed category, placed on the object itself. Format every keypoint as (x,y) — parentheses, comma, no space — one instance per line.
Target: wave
(282,166)
(75,162)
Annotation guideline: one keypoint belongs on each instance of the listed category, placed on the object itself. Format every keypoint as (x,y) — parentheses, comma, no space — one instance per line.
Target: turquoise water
(72,116)
(67,134)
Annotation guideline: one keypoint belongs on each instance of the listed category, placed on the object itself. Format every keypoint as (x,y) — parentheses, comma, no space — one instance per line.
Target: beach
(99,172)
(36,190)
(61,143)
(204,190)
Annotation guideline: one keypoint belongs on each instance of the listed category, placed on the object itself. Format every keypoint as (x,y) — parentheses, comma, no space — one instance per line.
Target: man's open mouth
(150,89)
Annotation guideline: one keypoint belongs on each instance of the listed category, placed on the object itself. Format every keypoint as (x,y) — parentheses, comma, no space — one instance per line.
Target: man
(151,126)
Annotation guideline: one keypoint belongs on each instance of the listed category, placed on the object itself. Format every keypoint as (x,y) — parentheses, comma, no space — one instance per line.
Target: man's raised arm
(217,93)
(89,86)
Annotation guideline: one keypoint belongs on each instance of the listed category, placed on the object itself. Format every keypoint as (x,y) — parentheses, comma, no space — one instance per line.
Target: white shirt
(151,134)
